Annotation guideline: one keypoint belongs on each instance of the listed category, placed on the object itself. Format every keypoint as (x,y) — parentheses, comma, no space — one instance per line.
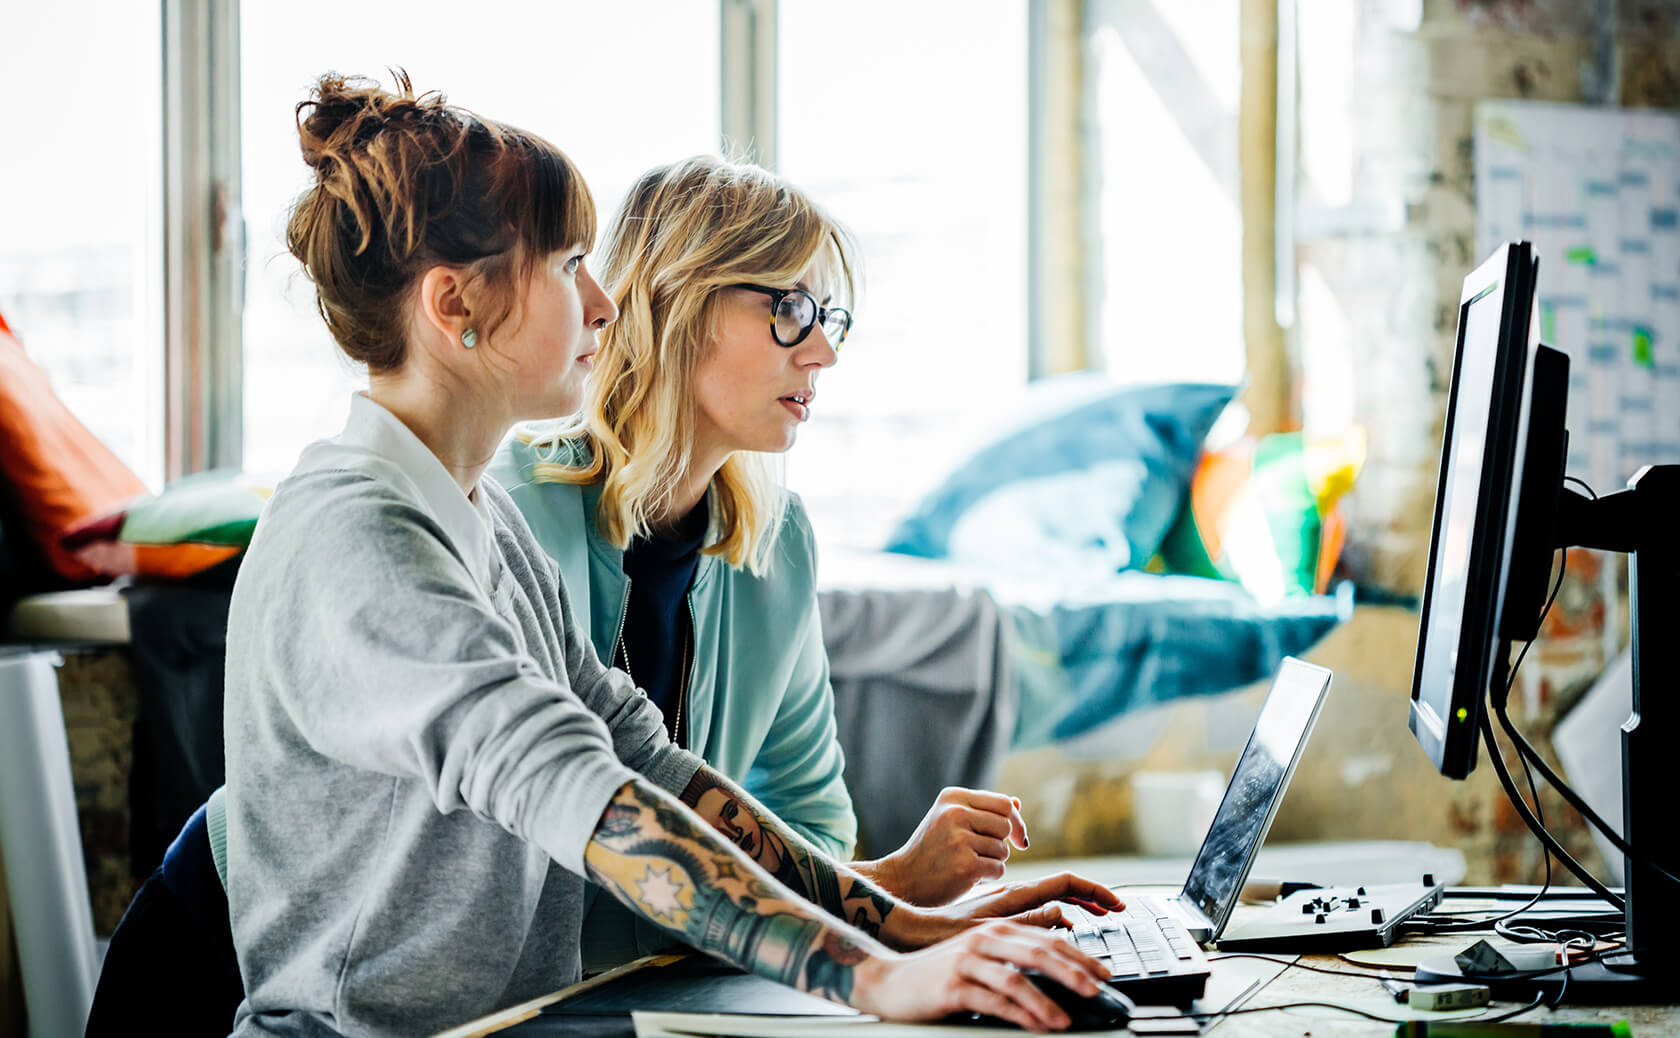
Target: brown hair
(405,183)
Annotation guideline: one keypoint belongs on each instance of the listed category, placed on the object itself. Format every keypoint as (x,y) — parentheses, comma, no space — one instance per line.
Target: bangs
(806,238)
(560,211)
(838,254)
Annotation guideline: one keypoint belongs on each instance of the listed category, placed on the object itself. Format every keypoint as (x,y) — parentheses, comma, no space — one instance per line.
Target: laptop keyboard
(1150,955)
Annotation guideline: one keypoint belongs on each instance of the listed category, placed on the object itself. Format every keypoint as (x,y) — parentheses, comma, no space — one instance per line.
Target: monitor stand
(1644,522)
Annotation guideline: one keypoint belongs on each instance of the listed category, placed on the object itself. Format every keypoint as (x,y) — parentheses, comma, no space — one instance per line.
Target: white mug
(1172,810)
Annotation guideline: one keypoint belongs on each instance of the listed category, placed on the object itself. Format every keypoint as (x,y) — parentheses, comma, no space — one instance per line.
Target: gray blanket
(924,695)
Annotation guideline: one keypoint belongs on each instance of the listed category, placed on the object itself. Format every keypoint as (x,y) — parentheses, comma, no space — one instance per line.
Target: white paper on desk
(724,1025)
(1589,746)
(1235,979)
(727,1025)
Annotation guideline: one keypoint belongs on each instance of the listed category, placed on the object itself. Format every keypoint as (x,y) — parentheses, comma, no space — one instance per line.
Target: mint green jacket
(760,709)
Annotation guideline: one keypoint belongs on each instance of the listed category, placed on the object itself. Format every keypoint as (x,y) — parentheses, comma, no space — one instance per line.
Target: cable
(1545,611)
(1498,760)
(1584,486)
(1510,682)
(1378,976)
(1470,926)
(1613,928)
(1295,964)
(1539,1000)
(1528,752)
(1534,825)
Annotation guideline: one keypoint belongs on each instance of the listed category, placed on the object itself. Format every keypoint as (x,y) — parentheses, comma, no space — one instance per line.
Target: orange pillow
(57,471)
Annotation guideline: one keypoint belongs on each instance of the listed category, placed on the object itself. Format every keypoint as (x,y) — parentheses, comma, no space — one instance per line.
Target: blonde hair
(685,232)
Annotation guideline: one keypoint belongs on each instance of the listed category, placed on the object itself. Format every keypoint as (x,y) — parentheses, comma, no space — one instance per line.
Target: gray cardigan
(419,745)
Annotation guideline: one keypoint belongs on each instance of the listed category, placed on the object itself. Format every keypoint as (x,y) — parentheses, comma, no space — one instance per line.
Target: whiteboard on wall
(1596,190)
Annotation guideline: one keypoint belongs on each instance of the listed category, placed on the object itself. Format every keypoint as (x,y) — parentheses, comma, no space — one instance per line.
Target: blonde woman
(691,567)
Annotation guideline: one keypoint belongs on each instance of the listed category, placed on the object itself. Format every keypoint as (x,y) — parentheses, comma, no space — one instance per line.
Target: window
(908,122)
(619,87)
(1165,258)
(82,212)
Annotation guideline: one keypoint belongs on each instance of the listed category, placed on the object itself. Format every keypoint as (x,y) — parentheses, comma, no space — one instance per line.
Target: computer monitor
(1484,549)
(1501,510)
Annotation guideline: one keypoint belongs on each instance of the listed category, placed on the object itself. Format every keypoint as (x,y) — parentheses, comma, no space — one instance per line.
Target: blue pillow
(1090,475)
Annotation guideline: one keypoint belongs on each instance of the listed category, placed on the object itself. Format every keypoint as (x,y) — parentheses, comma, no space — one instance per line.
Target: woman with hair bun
(426,761)
(688,563)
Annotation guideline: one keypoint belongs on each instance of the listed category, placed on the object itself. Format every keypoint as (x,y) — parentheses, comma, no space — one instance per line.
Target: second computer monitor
(1475,525)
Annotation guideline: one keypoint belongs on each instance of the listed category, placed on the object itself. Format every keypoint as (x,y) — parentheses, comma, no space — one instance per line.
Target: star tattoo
(661,892)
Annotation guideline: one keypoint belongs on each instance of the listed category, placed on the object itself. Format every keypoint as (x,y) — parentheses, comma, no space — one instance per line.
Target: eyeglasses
(794,312)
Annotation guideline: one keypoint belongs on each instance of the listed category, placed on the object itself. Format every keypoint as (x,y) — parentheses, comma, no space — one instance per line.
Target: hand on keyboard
(1044,902)
(1149,954)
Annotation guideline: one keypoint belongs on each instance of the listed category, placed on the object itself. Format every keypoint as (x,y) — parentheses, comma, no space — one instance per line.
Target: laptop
(1250,803)
(1152,948)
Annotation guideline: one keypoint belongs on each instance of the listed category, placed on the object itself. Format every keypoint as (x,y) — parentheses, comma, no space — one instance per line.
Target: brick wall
(100,705)
(1381,277)
(1384,242)
(1382,259)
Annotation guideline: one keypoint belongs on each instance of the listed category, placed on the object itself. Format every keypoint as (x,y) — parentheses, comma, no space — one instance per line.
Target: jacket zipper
(624,652)
(678,736)
(618,642)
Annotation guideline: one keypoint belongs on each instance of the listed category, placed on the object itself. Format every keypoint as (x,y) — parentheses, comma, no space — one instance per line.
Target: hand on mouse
(979,971)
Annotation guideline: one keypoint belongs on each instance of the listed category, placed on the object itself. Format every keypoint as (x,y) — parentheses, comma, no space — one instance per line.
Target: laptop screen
(1255,790)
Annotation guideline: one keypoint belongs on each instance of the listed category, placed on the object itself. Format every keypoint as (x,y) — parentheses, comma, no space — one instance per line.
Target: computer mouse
(1107,1010)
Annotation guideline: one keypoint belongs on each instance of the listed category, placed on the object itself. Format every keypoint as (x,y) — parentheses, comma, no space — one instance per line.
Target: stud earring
(469,338)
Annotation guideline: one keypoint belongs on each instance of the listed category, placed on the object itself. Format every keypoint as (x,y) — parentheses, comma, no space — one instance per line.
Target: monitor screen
(1482,456)
(1256,788)
(1461,495)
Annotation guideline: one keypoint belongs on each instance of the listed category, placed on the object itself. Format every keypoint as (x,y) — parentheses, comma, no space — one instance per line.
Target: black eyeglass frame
(778,294)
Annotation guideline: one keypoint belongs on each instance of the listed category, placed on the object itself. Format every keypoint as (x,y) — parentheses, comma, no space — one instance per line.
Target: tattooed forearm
(829,968)
(785,854)
(667,866)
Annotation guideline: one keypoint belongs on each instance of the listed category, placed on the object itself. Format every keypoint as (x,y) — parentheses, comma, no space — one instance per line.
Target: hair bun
(342,111)
(402,182)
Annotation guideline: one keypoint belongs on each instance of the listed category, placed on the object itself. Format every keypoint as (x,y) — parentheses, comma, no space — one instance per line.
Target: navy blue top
(189,870)
(657,630)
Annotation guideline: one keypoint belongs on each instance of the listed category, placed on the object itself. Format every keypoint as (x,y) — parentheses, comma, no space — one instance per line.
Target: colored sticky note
(1642,354)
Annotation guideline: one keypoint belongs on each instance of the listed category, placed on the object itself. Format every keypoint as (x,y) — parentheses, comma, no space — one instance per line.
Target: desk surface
(1291,985)
(1299,985)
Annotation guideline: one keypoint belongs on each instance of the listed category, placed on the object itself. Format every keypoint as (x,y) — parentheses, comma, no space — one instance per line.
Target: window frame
(204,228)
(203,239)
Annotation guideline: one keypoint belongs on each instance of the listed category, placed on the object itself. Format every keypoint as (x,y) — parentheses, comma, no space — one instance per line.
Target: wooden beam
(1269,395)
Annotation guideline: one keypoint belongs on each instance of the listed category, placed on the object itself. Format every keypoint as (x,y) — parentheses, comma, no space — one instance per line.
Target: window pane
(81,212)
(908,121)
(619,87)
(1164,79)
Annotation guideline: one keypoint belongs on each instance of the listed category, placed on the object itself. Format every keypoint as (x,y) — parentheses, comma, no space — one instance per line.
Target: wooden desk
(1291,985)
(1300,985)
